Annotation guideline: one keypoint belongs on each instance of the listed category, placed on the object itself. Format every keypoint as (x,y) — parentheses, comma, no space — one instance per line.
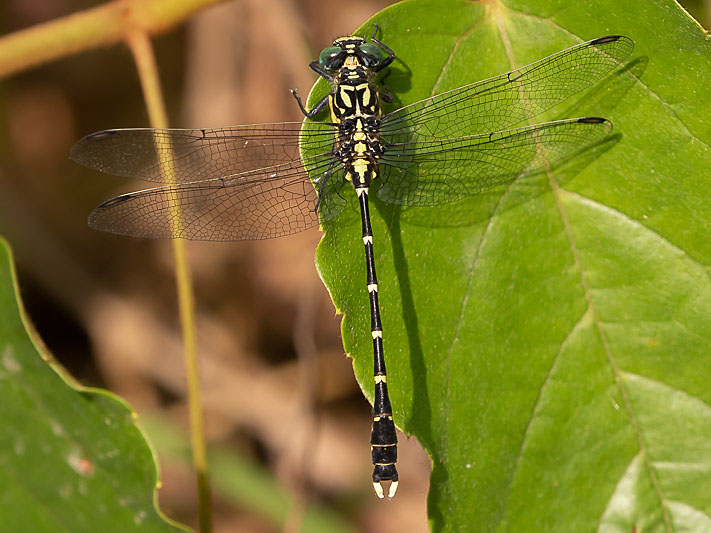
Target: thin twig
(140,45)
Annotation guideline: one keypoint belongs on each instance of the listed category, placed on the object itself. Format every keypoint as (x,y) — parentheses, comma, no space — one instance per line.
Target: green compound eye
(372,50)
(327,55)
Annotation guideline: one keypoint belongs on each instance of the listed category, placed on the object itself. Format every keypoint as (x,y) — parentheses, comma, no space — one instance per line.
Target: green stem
(140,45)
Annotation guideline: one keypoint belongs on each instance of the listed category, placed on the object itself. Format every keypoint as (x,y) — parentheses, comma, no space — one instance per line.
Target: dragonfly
(260,181)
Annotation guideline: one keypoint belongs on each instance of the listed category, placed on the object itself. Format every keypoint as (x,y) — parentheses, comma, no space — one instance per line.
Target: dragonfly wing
(509,99)
(257,205)
(428,173)
(189,155)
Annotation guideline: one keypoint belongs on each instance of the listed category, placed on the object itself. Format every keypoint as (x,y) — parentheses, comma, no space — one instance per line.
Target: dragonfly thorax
(355,108)
(354,95)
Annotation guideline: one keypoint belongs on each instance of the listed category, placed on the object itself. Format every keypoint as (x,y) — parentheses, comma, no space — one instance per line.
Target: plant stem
(140,45)
(99,26)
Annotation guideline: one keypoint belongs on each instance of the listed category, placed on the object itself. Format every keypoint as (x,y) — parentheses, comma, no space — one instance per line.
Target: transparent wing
(427,173)
(503,101)
(254,205)
(189,155)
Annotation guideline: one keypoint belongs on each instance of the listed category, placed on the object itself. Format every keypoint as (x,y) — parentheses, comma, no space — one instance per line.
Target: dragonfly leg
(326,176)
(318,69)
(385,92)
(391,55)
(315,110)
(385,62)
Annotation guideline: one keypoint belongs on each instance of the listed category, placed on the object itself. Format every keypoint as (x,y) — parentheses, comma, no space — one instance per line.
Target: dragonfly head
(350,51)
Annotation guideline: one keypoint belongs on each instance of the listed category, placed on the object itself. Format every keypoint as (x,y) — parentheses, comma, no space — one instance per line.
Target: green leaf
(548,342)
(71,458)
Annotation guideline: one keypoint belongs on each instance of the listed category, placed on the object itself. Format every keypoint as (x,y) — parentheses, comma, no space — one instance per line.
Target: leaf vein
(536,407)
(452,53)
(623,216)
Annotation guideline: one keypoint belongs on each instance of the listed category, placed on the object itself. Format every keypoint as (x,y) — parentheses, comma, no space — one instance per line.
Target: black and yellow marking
(354,104)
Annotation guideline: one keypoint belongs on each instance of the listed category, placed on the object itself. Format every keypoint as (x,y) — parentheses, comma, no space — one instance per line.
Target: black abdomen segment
(383,440)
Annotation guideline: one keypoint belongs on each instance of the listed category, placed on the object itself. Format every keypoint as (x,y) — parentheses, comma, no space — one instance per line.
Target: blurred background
(267,330)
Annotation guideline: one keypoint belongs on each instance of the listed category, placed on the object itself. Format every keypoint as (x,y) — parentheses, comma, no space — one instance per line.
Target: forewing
(256,205)
(498,103)
(428,173)
(189,155)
